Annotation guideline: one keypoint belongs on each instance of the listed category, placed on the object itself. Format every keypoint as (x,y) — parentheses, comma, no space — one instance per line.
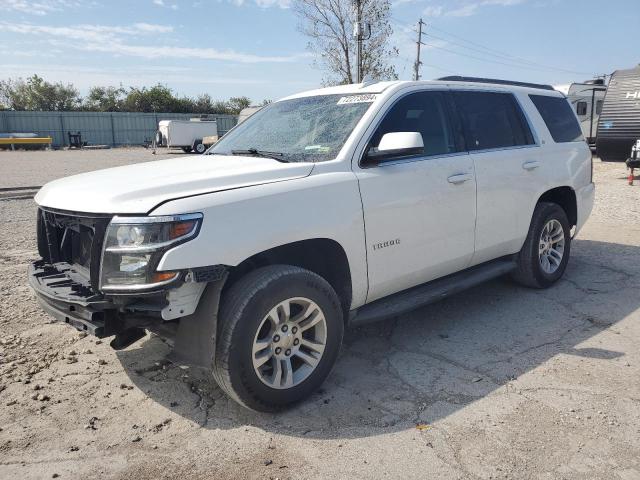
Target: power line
(482,59)
(497,53)
(498,57)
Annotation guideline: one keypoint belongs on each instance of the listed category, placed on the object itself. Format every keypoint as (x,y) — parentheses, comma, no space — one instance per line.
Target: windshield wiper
(261,153)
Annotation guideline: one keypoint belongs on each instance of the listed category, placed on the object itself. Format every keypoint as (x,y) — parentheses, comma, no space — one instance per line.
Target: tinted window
(557,114)
(581,108)
(492,120)
(424,112)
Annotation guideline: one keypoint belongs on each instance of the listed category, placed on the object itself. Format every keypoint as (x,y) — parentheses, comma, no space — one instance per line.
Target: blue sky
(253,48)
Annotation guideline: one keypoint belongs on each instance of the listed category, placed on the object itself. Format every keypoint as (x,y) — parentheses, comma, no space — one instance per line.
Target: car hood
(140,187)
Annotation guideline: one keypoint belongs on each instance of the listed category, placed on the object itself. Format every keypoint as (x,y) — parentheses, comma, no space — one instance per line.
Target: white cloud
(433,11)
(38,7)
(466,9)
(103,33)
(83,76)
(272,3)
(144,51)
(152,28)
(162,3)
(116,40)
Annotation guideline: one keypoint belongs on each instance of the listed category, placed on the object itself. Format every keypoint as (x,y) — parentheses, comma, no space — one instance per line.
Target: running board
(430,292)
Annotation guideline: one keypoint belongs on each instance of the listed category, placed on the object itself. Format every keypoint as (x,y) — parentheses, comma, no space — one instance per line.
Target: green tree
(105,99)
(35,93)
(158,98)
(236,104)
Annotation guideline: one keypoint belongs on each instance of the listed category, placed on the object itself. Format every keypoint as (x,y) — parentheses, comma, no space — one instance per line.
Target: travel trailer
(619,125)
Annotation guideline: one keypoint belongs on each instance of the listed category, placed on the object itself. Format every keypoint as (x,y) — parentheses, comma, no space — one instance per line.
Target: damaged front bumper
(66,298)
(186,316)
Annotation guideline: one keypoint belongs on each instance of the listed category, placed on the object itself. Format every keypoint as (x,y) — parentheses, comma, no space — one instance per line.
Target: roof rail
(460,78)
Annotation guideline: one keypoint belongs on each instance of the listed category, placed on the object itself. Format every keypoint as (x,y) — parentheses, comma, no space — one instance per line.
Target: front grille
(72,238)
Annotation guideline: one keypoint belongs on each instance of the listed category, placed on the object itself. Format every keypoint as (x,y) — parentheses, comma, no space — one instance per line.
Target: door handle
(531,165)
(460,178)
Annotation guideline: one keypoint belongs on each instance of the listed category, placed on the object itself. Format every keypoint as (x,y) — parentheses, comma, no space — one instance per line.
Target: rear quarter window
(559,118)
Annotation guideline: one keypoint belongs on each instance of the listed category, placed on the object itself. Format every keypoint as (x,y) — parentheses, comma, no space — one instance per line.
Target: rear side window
(558,115)
(492,120)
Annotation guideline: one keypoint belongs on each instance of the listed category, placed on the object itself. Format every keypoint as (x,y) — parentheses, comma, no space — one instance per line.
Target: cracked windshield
(308,129)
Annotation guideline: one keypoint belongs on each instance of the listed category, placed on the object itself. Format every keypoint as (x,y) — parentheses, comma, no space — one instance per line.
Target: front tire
(545,253)
(280,335)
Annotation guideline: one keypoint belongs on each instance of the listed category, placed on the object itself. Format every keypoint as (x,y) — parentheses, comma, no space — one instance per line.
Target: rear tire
(544,256)
(186,149)
(269,320)
(199,147)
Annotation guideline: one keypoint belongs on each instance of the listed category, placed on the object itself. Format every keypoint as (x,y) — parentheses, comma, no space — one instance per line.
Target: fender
(241,223)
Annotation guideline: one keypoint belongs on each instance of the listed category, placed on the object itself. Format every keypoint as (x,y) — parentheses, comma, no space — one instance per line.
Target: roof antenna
(368,80)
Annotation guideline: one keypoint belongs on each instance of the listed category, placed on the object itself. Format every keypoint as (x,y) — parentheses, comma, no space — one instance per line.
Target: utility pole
(416,67)
(357,33)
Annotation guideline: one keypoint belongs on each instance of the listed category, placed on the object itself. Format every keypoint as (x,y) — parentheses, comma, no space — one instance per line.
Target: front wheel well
(565,197)
(322,256)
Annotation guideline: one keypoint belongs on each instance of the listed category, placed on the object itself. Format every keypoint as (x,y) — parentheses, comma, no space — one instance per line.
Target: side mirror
(396,144)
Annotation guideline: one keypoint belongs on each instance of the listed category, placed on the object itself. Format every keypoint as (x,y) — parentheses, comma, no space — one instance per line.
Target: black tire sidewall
(242,375)
(550,212)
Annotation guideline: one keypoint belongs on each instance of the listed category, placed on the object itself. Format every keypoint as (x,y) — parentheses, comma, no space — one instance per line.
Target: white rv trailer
(586,99)
(185,134)
(247,112)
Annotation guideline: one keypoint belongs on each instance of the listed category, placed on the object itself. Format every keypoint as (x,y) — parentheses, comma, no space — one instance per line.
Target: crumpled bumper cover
(69,300)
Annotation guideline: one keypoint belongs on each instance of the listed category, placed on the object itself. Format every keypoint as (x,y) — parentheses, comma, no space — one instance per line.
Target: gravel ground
(37,167)
(497,382)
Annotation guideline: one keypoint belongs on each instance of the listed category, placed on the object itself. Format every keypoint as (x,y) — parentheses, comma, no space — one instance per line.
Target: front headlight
(134,246)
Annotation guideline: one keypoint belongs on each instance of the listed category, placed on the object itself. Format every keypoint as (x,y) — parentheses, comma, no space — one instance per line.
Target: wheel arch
(565,197)
(323,256)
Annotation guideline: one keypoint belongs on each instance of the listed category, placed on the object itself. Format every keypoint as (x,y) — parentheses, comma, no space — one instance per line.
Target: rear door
(506,161)
(419,210)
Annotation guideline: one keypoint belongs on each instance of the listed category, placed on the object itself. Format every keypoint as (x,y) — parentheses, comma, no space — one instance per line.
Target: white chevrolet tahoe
(324,210)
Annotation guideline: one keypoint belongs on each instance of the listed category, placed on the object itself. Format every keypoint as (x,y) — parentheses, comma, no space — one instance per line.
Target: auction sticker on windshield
(368,98)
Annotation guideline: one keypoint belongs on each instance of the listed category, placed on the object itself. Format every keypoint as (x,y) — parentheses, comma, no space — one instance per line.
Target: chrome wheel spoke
(311,321)
(555,255)
(259,360)
(260,345)
(272,316)
(313,346)
(287,380)
(306,312)
(308,359)
(284,312)
(556,237)
(276,378)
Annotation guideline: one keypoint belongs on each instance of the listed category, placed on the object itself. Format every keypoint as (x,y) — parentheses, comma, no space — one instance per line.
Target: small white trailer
(185,134)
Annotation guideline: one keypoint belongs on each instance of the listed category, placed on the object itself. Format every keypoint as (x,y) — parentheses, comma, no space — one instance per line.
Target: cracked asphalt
(496,382)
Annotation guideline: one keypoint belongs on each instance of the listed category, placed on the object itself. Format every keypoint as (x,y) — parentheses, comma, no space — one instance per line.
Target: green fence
(98,128)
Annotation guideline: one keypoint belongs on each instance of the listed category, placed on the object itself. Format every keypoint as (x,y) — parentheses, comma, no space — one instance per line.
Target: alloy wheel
(551,246)
(289,343)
